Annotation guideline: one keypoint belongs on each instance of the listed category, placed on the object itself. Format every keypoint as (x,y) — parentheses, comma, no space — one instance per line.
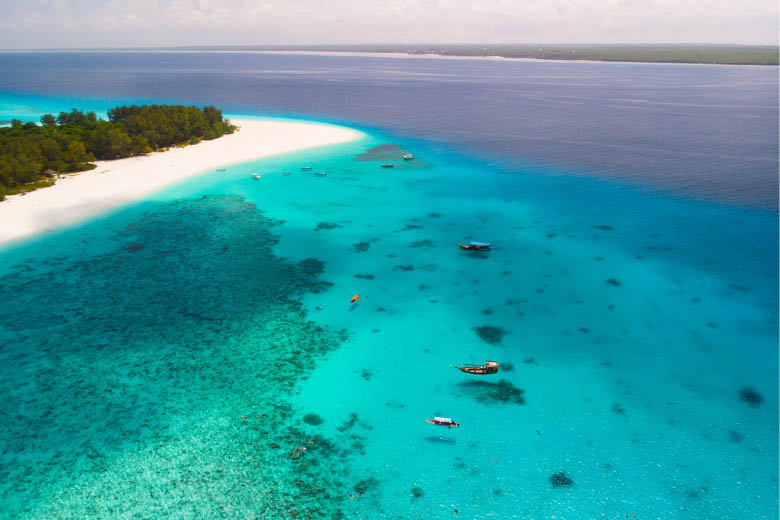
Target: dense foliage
(32,155)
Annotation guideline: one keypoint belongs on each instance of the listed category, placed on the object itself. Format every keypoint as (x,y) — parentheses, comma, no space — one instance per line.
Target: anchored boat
(475,246)
(408,157)
(305,168)
(320,173)
(387,165)
(443,421)
(490,367)
(255,176)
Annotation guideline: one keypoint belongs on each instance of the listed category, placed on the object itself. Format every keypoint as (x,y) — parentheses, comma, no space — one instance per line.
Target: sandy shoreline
(114,183)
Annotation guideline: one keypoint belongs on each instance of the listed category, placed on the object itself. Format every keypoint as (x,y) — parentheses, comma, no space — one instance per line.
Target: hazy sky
(121,23)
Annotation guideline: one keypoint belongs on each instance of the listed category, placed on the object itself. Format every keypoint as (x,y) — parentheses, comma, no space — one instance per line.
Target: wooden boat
(387,165)
(490,367)
(407,157)
(305,168)
(443,421)
(475,246)
(321,173)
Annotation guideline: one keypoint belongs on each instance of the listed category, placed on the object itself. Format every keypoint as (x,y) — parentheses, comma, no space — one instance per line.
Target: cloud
(96,23)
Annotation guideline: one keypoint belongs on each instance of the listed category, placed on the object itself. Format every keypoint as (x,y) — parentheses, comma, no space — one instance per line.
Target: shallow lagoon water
(632,323)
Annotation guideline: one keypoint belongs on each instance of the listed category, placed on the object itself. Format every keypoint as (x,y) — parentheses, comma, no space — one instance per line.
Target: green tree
(49,120)
(76,153)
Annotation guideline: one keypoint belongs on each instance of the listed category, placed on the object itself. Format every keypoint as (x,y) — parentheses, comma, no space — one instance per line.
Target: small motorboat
(475,246)
(221,170)
(490,367)
(387,165)
(305,168)
(443,421)
(407,157)
(321,173)
(256,176)
(285,173)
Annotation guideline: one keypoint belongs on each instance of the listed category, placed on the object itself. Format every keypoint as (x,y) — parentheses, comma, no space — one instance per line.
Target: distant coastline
(707,54)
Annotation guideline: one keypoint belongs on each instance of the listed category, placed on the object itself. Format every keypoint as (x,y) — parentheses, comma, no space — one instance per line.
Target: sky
(29,24)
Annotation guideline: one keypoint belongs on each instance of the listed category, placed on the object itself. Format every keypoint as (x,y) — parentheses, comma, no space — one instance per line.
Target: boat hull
(480,371)
(439,423)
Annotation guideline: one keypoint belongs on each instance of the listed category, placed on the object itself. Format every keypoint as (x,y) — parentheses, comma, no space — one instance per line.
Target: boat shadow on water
(439,440)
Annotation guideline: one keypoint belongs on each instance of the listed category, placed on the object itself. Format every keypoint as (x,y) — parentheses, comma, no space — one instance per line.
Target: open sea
(195,354)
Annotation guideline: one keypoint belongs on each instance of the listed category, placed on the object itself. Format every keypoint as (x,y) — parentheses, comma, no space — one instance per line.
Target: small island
(33,156)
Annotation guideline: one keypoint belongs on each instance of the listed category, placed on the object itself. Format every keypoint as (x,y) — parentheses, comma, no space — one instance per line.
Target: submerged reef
(327,225)
(202,329)
(560,479)
(503,391)
(313,419)
(417,492)
(382,152)
(361,246)
(750,396)
(490,334)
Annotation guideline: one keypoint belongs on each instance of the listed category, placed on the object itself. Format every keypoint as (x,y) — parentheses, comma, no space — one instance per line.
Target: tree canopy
(31,154)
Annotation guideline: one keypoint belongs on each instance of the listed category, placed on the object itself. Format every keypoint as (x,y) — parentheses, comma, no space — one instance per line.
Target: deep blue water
(170,359)
(709,132)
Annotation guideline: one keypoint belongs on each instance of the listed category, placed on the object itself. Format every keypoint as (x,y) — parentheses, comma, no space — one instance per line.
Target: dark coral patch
(736,437)
(361,246)
(490,334)
(422,243)
(133,248)
(313,419)
(435,215)
(507,366)
(503,391)
(612,281)
(403,268)
(618,409)
(560,479)
(750,396)
(364,485)
(417,492)
(326,225)
(603,228)
(365,276)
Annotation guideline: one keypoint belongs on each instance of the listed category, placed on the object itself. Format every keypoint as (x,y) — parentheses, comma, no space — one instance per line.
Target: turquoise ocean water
(172,358)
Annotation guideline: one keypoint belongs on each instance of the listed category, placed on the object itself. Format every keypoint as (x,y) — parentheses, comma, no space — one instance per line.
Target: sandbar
(114,183)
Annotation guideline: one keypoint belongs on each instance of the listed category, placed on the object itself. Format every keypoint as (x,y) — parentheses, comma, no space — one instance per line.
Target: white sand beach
(114,183)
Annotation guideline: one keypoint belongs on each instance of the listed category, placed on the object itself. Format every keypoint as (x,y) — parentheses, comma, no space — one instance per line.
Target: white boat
(305,168)
(256,176)
(321,173)
(407,157)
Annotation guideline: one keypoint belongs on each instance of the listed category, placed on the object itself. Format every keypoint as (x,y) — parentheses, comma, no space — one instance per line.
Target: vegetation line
(647,53)
(33,156)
